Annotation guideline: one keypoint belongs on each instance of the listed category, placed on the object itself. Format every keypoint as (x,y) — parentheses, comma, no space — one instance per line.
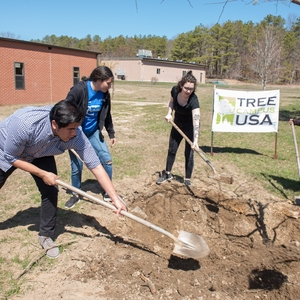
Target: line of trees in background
(266,51)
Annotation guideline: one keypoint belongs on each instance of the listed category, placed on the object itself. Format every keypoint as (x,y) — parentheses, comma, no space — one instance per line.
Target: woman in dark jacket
(92,97)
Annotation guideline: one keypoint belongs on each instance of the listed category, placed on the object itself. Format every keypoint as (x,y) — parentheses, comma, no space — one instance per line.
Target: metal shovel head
(191,245)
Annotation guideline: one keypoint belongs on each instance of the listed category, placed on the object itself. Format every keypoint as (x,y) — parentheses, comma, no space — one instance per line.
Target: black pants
(174,142)
(48,193)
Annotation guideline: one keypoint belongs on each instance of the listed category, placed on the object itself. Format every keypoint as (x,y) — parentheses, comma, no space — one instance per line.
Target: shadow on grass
(64,217)
(286,115)
(31,217)
(207,149)
(281,184)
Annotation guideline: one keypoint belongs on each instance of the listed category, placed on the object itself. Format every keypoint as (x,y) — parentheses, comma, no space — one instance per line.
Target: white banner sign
(242,111)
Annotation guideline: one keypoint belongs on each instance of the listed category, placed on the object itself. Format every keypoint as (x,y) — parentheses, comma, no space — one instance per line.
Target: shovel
(296,148)
(222,178)
(187,244)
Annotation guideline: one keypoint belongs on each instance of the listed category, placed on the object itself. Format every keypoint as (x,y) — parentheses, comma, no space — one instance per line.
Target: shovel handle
(190,142)
(76,154)
(123,212)
(296,147)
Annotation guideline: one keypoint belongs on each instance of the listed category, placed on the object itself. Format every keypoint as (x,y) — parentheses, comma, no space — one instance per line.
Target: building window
(157,71)
(183,73)
(76,75)
(19,76)
(201,77)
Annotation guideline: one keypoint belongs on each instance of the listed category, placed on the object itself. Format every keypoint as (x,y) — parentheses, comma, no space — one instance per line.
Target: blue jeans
(103,153)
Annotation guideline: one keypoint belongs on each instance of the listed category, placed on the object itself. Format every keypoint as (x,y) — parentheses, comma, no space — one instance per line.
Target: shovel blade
(191,245)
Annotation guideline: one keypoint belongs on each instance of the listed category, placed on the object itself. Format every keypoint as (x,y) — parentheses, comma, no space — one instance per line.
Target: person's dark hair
(188,77)
(101,73)
(65,112)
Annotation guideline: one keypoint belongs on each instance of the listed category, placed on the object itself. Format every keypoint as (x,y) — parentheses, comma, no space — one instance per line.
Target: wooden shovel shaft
(226,179)
(190,142)
(76,154)
(123,212)
(296,148)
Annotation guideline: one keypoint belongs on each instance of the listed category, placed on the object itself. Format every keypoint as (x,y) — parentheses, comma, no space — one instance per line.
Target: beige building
(152,69)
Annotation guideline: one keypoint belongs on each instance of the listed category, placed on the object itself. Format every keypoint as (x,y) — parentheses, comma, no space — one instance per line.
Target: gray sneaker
(187,182)
(46,242)
(165,176)
(106,197)
(72,201)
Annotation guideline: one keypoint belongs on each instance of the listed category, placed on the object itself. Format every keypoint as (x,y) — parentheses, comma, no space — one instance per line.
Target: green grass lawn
(138,111)
(252,153)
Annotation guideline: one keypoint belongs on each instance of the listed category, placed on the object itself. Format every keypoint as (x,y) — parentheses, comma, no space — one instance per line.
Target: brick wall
(48,71)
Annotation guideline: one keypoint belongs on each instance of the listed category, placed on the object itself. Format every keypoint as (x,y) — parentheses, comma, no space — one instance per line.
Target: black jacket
(296,121)
(79,94)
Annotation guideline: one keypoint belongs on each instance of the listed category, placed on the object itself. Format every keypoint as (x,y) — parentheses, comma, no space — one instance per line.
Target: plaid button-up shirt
(27,134)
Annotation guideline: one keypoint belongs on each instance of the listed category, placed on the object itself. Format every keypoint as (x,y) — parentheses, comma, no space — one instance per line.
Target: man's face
(66,133)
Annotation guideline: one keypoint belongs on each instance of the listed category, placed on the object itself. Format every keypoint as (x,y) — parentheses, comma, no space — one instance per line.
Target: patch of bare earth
(253,239)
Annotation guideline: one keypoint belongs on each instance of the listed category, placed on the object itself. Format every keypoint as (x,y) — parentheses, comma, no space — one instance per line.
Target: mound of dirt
(254,246)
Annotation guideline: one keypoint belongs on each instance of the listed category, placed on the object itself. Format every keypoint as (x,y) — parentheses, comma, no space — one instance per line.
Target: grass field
(138,111)
(145,105)
(252,153)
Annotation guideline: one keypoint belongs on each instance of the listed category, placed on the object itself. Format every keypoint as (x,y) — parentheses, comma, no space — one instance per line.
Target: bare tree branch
(266,56)
(222,10)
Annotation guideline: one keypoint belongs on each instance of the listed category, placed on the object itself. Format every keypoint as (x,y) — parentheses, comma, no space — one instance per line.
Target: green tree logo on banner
(225,110)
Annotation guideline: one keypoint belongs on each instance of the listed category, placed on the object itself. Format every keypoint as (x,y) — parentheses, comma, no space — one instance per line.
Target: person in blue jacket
(92,97)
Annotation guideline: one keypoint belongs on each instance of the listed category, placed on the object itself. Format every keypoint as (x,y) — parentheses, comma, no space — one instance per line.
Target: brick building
(32,73)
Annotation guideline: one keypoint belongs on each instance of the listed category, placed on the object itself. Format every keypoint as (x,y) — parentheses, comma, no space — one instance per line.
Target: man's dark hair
(65,112)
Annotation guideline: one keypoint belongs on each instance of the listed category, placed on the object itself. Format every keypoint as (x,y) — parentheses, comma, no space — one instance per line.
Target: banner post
(275,153)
